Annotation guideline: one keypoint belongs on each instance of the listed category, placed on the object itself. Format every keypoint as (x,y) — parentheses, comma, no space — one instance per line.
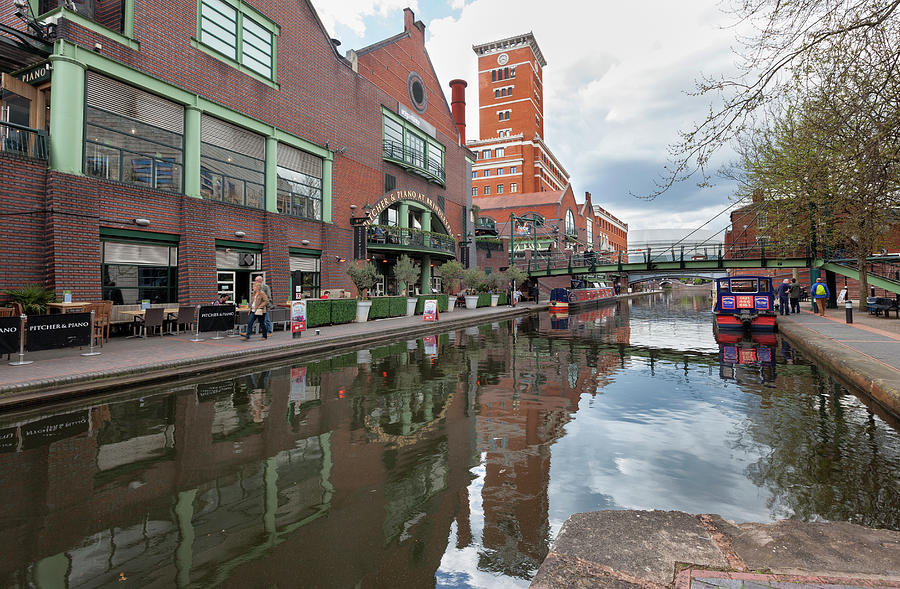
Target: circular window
(417,94)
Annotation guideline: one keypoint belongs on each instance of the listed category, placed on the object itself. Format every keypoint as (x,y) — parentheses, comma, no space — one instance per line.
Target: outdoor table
(66,307)
(140,313)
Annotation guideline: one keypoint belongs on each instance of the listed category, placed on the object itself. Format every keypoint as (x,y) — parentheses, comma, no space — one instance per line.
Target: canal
(448,461)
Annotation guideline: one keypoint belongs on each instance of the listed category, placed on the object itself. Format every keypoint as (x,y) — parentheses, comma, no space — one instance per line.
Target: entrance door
(253,275)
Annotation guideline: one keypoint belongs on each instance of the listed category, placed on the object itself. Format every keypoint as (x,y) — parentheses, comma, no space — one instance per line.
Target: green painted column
(426,220)
(271,175)
(192,152)
(184,551)
(403,214)
(67,122)
(426,274)
(326,190)
(51,572)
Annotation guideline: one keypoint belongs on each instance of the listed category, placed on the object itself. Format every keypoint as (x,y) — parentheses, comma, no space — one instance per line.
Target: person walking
(820,294)
(258,302)
(784,290)
(270,305)
(794,293)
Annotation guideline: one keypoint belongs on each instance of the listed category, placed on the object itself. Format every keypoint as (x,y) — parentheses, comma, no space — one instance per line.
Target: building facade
(171,151)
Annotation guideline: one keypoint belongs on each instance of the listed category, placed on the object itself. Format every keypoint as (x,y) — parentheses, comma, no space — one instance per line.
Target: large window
(570,223)
(133,272)
(299,183)
(108,13)
(132,136)
(232,164)
(407,145)
(590,233)
(240,34)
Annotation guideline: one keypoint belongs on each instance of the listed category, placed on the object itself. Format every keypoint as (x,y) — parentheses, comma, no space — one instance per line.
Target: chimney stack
(458,107)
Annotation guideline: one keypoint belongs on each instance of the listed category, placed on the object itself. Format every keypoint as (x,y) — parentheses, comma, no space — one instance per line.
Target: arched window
(570,223)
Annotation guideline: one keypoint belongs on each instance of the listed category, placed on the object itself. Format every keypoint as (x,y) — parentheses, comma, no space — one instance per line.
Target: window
(238,33)
(107,13)
(496,94)
(512,72)
(590,233)
(513,187)
(499,171)
(132,136)
(474,191)
(133,272)
(570,223)
(409,148)
(232,164)
(305,276)
(475,174)
(499,189)
(500,151)
(503,132)
(487,190)
(500,116)
(493,75)
(485,154)
(299,183)
(512,169)
(487,173)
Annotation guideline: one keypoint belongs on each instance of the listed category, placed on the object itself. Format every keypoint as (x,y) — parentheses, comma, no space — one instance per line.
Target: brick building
(169,151)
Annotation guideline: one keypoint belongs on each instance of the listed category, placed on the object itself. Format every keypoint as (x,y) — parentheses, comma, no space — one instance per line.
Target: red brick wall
(23,222)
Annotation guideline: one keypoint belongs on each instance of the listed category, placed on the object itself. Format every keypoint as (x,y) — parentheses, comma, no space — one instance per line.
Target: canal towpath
(865,354)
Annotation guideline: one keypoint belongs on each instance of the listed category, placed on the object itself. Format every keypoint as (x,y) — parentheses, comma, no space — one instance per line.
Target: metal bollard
(197,337)
(849,308)
(91,351)
(21,361)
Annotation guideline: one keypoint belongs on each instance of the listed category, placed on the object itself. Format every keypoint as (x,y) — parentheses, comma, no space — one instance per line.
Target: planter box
(495,298)
(411,303)
(471,301)
(362,311)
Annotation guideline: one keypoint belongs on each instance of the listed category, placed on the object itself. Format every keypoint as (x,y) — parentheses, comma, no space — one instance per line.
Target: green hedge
(381,308)
(343,310)
(398,306)
(318,312)
(484,299)
(442,303)
(502,302)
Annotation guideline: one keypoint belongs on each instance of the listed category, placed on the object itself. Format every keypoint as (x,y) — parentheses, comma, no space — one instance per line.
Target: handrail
(410,237)
(24,141)
(394,150)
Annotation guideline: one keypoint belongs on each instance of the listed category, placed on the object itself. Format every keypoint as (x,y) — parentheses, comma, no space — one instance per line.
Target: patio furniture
(151,319)
(187,315)
(7,312)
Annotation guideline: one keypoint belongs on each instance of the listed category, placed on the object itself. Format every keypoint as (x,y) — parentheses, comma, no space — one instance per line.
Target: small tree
(495,282)
(474,279)
(407,271)
(33,298)
(364,276)
(517,275)
(451,272)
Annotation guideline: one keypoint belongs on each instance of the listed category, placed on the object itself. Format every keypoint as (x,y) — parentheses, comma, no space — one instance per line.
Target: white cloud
(352,13)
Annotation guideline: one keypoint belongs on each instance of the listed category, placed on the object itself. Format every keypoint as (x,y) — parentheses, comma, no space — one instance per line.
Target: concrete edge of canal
(652,549)
(878,381)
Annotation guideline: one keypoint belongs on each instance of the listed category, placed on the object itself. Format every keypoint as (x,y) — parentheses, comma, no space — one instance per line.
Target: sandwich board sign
(430,310)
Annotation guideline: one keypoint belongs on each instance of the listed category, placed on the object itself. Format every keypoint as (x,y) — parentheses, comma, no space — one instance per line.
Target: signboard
(416,120)
(9,334)
(842,296)
(36,75)
(745,302)
(727,302)
(49,430)
(762,303)
(216,318)
(61,330)
(430,311)
(8,439)
(359,242)
(208,391)
(298,318)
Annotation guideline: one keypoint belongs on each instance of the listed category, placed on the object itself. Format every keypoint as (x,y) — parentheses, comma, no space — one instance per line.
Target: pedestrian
(258,301)
(270,305)
(784,290)
(795,292)
(820,294)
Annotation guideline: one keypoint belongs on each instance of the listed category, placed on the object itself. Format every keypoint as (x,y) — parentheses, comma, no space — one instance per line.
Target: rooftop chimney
(458,107)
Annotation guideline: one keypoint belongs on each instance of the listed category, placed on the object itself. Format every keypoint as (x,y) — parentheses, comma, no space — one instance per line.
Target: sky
(616,84)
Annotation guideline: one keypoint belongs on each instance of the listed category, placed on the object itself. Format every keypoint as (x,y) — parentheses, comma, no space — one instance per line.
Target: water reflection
(450,460)
(746,357)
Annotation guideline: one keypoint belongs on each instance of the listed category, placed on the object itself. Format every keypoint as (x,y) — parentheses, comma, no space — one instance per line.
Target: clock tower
(510,87)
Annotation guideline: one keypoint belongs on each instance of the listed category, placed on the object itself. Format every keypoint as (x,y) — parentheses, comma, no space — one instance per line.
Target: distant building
(665,241)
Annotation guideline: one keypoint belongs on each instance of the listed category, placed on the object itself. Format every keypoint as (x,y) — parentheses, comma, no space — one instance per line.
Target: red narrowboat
(744,302)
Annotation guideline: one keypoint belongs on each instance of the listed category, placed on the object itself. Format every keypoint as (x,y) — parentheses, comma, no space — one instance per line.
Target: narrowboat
(579,295)
(744,302)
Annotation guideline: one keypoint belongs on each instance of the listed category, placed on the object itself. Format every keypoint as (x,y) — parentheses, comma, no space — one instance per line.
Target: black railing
(396,151)
(23,141)
(408,237)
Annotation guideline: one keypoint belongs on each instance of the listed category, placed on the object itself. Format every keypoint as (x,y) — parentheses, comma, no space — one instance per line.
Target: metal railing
(396,151)
(384,235)
(24,141)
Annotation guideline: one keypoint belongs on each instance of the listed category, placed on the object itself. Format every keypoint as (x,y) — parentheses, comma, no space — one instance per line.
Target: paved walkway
(55,374)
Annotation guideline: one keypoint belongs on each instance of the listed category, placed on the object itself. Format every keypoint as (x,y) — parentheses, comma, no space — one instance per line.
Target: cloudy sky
(616,83)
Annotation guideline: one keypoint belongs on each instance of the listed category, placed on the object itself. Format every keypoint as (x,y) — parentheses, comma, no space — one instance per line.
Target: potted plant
(494,282)
(473,278)
(364,275)
(518,277)
(32,298)
(408,271)
(451,272)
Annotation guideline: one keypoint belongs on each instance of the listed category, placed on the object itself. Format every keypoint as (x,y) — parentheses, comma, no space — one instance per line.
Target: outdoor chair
(152,319)
(7,312)
(187,315)
(102,312)
(242,316)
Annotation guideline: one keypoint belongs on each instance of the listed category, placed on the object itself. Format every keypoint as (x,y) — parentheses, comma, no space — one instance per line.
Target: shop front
(237,266)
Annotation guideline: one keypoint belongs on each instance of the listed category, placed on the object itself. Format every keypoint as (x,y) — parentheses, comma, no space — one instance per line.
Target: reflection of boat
(744,302)
(746,357)
(579,295)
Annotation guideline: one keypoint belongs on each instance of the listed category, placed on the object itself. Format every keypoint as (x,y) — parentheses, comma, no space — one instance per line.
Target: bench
(878,305)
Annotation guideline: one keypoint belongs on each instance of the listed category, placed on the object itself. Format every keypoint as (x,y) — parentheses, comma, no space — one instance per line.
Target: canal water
(448,461)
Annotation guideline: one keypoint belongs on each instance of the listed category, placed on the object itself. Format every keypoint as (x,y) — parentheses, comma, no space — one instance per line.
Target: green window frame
(237,32)
(407,145)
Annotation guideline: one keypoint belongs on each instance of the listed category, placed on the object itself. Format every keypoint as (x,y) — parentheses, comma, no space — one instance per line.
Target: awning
(20,50)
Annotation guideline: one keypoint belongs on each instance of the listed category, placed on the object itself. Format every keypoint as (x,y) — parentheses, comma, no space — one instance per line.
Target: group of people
(789,294)
(260,303)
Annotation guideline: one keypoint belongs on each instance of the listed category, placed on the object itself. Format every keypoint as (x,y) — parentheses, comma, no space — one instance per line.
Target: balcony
(406,239)
(23,141)
(413,161)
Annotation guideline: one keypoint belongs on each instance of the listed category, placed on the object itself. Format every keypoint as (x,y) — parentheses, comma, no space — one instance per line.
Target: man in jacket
(820,294)
(794,293)
(783,294)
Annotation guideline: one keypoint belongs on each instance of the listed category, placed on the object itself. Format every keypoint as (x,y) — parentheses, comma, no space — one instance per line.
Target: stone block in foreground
(646,549)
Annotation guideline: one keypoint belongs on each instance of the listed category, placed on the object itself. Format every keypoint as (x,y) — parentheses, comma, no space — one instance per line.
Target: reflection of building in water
(232,480)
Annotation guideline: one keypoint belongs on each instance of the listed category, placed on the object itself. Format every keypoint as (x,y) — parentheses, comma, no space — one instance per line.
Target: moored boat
(744,302)
(579,295)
